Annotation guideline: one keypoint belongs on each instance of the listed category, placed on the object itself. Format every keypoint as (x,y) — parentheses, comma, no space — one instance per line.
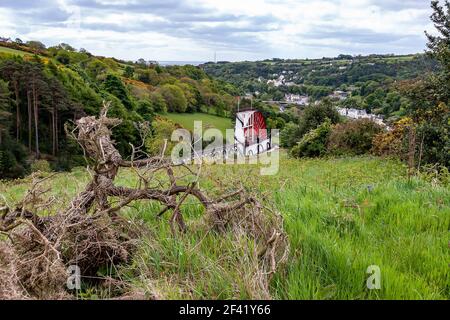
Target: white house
(6,40)
(297,99)
(360,114)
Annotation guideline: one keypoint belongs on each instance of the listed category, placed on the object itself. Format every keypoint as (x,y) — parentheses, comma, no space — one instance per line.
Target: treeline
(42,93)
(330,72)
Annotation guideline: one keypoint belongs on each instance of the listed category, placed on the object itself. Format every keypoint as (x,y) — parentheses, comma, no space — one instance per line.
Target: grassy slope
(186,120)
(337,228)
(13,51)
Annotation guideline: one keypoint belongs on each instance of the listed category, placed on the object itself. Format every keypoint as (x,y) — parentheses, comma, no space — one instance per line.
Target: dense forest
(42,90)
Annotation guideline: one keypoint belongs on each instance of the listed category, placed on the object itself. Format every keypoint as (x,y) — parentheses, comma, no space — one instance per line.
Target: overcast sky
(192,30)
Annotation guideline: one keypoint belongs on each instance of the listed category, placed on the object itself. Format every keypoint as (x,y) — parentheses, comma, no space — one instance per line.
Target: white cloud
(237,29)
(7,26)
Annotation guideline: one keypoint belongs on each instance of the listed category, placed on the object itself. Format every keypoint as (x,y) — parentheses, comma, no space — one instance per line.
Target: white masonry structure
(250,133)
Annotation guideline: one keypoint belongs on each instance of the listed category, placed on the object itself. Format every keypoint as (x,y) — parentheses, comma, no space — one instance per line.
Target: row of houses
(360,114)
(303,100)
(281,80)
(6,40)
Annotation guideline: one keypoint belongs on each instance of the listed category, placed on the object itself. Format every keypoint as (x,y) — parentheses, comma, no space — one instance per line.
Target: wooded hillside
(42,90)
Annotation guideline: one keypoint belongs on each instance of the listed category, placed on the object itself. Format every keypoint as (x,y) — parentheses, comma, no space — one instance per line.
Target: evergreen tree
(5,108)
(439,47)
(115,86)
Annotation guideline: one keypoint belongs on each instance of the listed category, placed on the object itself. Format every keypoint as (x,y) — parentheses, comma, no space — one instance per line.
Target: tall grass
(345,215)
(186,120)
(341,215)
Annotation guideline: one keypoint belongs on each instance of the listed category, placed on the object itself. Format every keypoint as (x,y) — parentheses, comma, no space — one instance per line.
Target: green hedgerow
(314,143)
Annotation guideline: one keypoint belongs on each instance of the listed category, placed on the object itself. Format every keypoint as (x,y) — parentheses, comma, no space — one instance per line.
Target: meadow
(186,120)
(342,215)
(13,51)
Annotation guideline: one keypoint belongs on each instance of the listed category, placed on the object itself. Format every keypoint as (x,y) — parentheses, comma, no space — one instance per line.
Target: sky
(236,30)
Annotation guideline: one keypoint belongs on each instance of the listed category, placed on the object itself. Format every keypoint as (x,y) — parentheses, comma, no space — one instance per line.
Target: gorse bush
(162,132)
(41,166)
(353,137)
(394,142)
(314,143)
(431,133)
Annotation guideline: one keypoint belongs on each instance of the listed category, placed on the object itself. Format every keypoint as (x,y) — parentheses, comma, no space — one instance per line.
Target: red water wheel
(256,128)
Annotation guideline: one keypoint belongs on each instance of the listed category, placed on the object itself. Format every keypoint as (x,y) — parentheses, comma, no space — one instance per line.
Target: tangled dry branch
(89,233)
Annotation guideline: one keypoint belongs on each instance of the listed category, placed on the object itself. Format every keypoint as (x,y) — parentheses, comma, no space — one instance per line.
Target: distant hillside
(369,80)
(332,72)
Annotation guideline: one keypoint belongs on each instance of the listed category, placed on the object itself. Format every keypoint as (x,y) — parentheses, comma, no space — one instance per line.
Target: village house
(339,95)
(277,82)
(360,114)
(6,40)
(297,99)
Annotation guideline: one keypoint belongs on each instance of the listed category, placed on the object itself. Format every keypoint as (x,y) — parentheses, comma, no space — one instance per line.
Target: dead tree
(94,136)
(89,232)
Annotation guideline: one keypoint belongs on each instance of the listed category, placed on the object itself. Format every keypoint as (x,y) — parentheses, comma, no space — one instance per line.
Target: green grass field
(341,216)
(186,120)
(13,51)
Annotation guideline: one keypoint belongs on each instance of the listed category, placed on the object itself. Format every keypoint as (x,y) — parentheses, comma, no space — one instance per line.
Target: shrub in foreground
(353,137)
(41,166)
(394,142)
(314,143)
